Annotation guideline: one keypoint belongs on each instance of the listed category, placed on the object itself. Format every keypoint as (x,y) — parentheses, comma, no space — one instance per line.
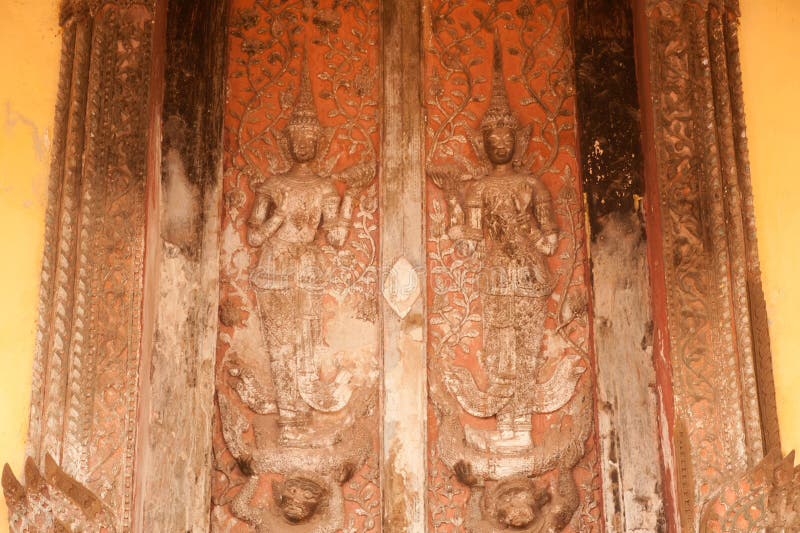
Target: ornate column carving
(84,405)
(724,411)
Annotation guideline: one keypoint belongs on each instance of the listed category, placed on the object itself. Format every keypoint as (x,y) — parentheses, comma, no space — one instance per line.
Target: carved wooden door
(322,266)
(403,272)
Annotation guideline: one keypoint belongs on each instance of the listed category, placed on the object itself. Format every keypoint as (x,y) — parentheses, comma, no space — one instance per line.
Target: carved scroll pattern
(272,45)
(538,73)
(86,368)
(115,301)
(709,255)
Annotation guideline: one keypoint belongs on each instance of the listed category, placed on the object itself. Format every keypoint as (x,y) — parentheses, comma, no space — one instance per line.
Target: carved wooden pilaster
(84,406)
(402,260)
(613,182)
(174,450)
(724,415)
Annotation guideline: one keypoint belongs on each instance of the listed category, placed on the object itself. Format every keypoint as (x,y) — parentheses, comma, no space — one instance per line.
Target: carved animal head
(299,497)
(517,503)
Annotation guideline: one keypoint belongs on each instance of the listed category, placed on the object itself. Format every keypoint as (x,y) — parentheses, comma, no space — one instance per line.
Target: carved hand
(337,235)
(280,205)
(466,239)
(466,247)
(261,230)
(345,473)
(547,244)
(463,471)
(256,235)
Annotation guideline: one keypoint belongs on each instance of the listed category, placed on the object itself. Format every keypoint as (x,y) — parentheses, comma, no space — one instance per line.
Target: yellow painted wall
(771,68)
(29,52)
(29,47)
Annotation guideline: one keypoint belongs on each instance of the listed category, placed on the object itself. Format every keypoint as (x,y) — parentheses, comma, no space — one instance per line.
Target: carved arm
(467,230)
(543,211)
(335,224)
(260,228)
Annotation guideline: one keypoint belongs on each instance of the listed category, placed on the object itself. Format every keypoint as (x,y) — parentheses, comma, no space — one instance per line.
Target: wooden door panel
(511,412)
(298,361)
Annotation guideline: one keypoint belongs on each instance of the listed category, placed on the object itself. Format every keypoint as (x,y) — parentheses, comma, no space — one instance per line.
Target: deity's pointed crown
(499,113)
(304,115)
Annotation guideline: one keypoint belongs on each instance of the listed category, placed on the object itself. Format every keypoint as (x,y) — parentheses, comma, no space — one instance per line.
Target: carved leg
(500,363)
(279,313)
(500,358)
(508,436)
(565,503)
(475,510)
(505,422)
(309,303)
(241,507)
(529,315)
(294,414)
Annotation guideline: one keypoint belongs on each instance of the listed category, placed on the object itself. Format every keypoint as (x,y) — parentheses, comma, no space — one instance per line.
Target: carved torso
(302,200)
(504,202)
(514,213)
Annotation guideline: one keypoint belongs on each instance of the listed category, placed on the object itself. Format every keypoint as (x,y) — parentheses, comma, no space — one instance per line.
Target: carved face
(517,507)
(499,144)
(302,144)
(299,498)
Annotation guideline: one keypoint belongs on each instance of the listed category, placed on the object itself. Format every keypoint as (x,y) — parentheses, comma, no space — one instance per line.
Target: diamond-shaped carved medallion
(402,287)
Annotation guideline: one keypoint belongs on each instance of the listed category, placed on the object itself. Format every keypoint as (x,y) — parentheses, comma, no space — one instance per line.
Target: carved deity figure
(508,214)
(288,215)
